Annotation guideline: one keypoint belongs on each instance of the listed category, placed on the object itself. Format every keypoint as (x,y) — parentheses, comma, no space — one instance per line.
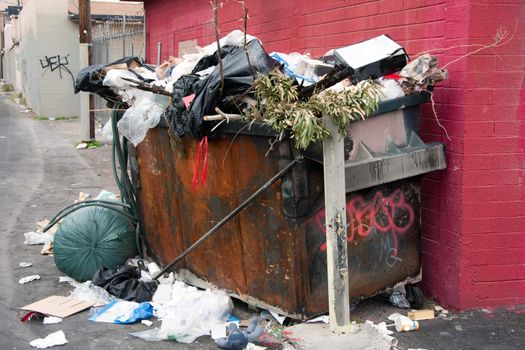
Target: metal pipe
(159,52)
(230,215)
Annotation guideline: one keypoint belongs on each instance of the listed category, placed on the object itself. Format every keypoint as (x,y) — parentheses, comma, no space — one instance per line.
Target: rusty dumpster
(273,253)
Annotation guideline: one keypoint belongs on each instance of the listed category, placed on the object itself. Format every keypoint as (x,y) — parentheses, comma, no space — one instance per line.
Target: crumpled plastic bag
(124,283)
(123,312)
(53,339)
(143,115)
(191,313)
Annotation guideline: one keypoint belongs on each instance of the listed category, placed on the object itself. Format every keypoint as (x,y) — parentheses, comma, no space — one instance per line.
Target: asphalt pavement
(41,172)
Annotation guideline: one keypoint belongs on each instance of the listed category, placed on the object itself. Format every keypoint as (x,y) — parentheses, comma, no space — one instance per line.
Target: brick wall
(473,236)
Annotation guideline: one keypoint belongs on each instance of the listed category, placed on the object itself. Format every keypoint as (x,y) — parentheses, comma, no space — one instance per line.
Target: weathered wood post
(336,229)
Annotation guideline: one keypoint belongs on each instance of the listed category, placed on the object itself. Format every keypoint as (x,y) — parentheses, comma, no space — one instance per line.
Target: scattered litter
(63,279)
(32,315)
(82,145)
(58,306)
(53,339)
(190,313)
(322,318)
(393,317)
(398,299)
(405,324)
(382,329)
(123,312)
(419,315)
(277,317)
(52,320)
(148,334)
(458,327)
(28,279)
(87,291)
(82,197)
(35,238)
(25,264)
(252,346)
(146,322)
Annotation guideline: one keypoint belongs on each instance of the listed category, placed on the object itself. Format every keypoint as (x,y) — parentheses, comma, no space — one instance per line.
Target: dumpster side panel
(383,241)
(219,258)
(158,206)
(270,240)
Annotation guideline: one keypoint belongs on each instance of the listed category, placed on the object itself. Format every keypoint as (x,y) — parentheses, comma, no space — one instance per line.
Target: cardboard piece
(58,306)
(418,315)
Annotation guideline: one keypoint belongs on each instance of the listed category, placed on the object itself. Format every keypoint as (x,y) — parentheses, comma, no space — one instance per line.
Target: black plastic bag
(239,75)
(124,283)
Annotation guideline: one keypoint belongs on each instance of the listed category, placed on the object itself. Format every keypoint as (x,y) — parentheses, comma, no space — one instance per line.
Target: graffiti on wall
(57,63)
(388,216)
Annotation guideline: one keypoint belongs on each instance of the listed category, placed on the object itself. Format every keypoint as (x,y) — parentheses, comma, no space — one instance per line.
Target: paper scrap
(146,322)
(278,317)
(57,338)
(28,279)
(322,318)
(62,279)
(52,320)
(218,331)
(25,264)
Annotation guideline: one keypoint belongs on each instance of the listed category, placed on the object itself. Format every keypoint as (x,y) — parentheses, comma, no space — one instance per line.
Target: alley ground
(41,172)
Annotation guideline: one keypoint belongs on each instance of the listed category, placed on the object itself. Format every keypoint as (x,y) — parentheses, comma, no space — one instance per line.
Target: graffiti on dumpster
(386,215)
(57,62)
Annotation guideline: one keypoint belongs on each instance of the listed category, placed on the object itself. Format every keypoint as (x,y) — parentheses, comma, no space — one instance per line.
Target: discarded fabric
(53,339)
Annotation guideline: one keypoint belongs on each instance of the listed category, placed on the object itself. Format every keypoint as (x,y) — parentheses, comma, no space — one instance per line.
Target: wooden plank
(336,230)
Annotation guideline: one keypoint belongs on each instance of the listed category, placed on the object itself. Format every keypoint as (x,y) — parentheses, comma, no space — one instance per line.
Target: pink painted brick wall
(473,213)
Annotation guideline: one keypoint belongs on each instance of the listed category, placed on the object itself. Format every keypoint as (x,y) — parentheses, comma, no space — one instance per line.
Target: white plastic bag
(142,116)
(192,313)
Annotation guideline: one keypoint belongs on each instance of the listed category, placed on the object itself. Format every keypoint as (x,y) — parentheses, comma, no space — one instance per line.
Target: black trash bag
(124,283)
(90,79)
(177,112)
(238,77)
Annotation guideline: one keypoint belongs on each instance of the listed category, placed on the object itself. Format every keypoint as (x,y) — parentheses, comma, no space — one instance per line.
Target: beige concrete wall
(49,57)
(11,66)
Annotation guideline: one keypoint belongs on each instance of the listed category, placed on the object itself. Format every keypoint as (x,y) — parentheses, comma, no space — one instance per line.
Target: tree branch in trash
(279,106)
(215,6)
(148,87)
(245,30)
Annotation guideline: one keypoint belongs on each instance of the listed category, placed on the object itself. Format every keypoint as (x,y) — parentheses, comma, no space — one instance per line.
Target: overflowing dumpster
(273,253)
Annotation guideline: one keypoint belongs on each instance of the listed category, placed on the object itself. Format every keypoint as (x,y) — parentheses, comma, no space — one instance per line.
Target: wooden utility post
(336,230)
(87,116)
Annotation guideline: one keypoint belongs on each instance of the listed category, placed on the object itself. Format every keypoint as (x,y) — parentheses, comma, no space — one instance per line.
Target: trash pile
(197,92)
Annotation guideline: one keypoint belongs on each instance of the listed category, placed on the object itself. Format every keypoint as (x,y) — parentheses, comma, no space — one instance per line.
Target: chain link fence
(112,40)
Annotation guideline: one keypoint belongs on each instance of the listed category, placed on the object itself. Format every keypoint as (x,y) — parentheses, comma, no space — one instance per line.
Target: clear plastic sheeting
(187,312)
(142,116)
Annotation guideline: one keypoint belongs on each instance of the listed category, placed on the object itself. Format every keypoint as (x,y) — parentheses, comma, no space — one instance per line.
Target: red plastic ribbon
(195,178)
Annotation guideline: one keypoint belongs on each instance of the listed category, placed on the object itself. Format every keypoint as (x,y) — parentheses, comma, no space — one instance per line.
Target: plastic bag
(192,313)
(142,116)
(124,283)
(123,312)
(238,77)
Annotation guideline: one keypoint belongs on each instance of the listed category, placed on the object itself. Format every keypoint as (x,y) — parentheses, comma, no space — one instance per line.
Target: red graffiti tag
(391,214)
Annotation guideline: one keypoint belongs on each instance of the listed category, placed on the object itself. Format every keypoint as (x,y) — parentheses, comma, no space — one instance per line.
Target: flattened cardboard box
(59,306)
